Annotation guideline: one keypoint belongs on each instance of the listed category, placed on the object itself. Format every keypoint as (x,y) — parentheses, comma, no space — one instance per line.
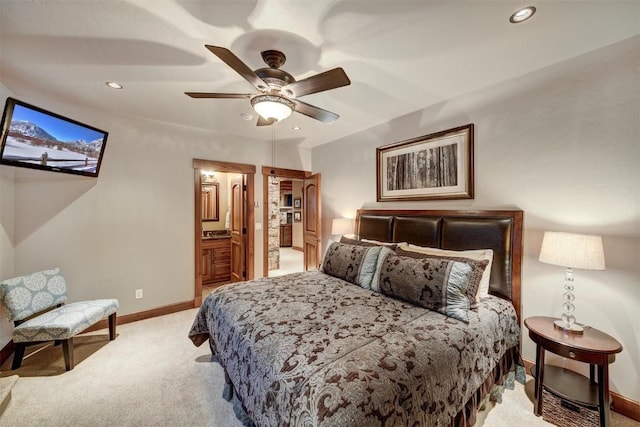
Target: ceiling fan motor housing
(274,77)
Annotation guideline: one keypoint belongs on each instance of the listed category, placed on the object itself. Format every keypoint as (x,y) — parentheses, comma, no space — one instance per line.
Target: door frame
(223,167)
(268,171)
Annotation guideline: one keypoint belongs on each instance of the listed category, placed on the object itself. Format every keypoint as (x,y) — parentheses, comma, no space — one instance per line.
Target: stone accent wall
(274,223)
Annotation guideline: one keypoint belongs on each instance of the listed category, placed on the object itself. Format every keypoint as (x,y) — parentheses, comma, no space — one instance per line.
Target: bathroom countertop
(213,235)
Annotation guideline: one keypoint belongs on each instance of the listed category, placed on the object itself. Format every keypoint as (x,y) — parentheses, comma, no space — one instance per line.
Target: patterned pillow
(353,263)
(477,254)
(434,283)
(30,294)
(478,268)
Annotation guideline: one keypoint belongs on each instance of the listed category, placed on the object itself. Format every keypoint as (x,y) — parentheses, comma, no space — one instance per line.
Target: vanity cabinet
(216,260)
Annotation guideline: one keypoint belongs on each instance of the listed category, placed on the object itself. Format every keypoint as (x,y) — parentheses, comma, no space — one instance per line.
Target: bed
(320,348)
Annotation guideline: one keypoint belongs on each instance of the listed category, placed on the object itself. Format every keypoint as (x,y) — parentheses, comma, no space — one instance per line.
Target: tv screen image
(39,139)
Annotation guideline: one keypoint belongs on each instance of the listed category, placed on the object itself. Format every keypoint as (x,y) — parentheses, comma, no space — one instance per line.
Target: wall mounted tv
(39,139)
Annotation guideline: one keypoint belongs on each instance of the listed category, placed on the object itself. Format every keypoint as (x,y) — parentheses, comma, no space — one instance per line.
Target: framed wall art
(438,166)
(297,216)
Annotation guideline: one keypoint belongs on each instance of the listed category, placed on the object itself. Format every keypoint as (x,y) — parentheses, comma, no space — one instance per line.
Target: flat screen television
(39,139)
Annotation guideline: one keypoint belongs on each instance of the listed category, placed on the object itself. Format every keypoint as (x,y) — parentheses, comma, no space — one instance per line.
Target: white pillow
(476,254)
(377,242)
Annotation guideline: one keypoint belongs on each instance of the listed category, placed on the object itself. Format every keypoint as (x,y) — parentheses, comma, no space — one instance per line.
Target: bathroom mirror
(210,202)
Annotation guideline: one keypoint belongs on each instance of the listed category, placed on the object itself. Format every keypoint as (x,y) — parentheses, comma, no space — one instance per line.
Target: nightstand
(592,346)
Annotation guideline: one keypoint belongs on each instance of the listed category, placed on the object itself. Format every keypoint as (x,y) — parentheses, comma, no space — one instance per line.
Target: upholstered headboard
(456,230)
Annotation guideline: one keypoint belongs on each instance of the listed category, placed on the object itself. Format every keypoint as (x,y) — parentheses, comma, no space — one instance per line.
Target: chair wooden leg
(18,355)
(112,327)
(67,348)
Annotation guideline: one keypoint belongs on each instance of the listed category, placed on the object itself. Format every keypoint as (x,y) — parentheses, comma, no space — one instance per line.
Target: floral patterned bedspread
(308,349)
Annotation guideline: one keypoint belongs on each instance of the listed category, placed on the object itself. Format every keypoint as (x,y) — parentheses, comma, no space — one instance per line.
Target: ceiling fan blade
(320,82)
(264,122)
(240,67)
(315,112)
(218,95)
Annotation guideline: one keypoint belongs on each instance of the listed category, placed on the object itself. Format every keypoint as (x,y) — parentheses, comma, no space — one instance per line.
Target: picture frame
(438,166)
(297,202)
(297,216)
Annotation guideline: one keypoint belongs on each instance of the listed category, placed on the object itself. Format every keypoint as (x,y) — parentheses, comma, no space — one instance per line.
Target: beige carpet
(291,261)
(152,375)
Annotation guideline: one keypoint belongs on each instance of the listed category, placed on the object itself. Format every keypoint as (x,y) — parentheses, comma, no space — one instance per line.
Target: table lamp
(581,251)
(341,226)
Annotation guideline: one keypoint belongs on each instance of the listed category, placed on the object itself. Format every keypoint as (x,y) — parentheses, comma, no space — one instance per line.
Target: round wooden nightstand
(592,346)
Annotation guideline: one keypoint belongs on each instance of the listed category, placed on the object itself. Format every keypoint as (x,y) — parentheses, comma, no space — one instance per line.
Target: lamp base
(572,329)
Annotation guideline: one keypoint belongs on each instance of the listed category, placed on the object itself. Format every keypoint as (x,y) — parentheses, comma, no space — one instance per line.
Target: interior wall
(7,232)
(7,222)
(132,227)
(562,144)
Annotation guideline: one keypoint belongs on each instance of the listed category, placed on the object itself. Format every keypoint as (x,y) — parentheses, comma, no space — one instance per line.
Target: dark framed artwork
(438,166)
(297,202)
(297,216)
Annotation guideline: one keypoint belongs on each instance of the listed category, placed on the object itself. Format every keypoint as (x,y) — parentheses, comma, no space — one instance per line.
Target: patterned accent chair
(36,304)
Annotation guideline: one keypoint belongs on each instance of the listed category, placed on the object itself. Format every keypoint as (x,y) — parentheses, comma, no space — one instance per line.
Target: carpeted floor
(291,261)
(152,375)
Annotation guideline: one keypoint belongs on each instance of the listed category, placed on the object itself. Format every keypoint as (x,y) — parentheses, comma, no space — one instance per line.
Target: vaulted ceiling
(401,56)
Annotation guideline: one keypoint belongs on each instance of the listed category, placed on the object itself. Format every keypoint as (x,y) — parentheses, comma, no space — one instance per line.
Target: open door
(238,229)
(311,222)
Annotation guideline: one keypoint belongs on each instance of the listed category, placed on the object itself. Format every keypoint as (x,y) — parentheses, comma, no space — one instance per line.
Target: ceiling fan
(278,91)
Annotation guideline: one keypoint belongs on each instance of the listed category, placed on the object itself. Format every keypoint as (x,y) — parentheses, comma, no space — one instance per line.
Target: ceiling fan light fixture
(272,107)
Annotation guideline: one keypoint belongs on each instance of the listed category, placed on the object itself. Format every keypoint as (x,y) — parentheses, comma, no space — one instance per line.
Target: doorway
(285,245)
(288,213)
(224,223)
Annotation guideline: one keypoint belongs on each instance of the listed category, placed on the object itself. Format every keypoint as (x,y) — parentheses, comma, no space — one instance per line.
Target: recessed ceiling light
(246,116)
(522,14)
(296,128)
(114,85)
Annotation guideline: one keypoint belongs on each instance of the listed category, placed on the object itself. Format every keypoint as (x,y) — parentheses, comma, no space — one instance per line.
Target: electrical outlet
(138,293)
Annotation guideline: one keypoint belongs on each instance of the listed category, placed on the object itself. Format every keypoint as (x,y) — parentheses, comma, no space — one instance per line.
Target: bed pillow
(476,254)
(367,242)
(350,241)
(375,282)
(437,284)
(379,243)
(478,267)
(353,263)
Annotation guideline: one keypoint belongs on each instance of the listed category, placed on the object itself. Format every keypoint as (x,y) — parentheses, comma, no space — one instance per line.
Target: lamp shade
(582,251)
(272,106)
(341,226)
